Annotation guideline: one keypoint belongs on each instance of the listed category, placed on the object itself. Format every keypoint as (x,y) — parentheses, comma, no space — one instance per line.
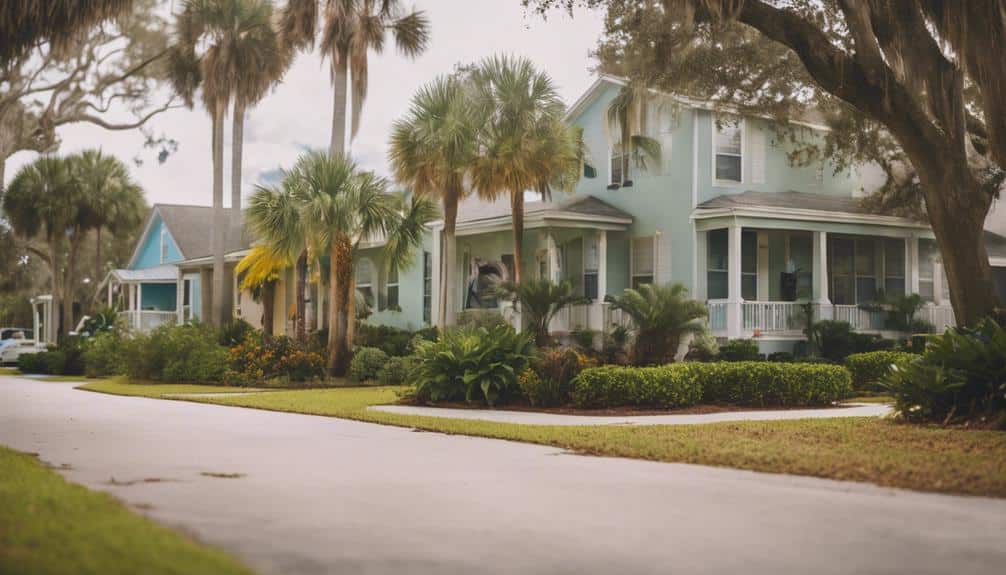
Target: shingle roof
(793,200)
(472,209)
(191,226)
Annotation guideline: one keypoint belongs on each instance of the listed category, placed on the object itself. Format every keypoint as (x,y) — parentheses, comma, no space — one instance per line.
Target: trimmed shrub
(103,356)
(869,369)
(391,340)
(739,350)
(737,383)
(367,363)
(33,363)
(556,368)
(472,364)
(176,354)
(66,359)
(835,340)
(397,370)
(663,386)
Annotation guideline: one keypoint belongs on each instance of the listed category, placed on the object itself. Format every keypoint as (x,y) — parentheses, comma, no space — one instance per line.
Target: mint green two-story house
(723,212)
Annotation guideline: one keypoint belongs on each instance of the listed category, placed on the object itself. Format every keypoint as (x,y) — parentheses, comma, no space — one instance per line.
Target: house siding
(149,254)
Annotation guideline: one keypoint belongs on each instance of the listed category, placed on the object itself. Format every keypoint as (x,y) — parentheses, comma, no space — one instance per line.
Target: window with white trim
(928,255)
(591,263)
(717,275)
(365,280)
(164,244)
(894,266)
(729,149)
(618,165)
(391,289)
(749,265)
(427,287)
(642,261)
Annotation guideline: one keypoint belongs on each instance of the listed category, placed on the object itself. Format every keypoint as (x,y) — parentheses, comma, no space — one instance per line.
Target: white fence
(789,318)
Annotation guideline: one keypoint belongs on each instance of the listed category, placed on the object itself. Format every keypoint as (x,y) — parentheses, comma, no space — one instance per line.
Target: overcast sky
(298,114)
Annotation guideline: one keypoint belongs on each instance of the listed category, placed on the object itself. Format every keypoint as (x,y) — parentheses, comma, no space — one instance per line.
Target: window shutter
(756,145)
(662,259)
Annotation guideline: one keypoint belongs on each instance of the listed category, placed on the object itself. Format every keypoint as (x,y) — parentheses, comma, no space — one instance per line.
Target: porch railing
(787,318)
(773,316)
(717,315)
(148,320)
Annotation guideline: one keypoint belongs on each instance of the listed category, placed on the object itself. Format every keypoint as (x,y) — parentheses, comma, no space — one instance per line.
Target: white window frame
(742,124)
(625,166)
(388,284)
(370,284)
(164,243)
(632,258)
(591,243)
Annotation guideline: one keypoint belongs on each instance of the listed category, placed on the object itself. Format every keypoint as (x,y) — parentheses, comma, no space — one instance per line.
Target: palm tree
(352,29)
(524,144)
(230,49)
(540,301)
(661,315)
(274,217)
(43,202)
(341,206)
(115,201)
(432,150)
(261,269)
(628,118)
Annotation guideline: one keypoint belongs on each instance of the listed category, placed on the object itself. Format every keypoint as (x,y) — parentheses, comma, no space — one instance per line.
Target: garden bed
(700,409)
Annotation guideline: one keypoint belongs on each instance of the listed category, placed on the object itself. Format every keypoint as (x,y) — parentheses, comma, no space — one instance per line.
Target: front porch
(146,298)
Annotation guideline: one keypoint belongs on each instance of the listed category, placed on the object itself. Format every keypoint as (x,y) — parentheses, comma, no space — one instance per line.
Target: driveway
(323,495)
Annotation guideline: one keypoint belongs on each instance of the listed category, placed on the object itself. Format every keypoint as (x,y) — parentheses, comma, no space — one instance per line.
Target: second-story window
(729,135)
(164,244)
(642,261)
(391,288)
(365,280)
(619,165)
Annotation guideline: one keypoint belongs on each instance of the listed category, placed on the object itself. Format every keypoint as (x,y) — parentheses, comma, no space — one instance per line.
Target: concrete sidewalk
(537,418)
(325,495)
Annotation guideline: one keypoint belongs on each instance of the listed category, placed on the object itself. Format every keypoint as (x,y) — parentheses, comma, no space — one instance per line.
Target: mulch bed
(619,411)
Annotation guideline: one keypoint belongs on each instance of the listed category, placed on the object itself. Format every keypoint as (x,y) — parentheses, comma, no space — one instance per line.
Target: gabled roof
(191,228)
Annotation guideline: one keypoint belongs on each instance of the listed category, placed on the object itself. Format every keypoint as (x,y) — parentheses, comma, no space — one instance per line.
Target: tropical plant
(661,316)
(274,217)
(432,150)
(367,363)
(338,206)
(350,30)
(260,271)
(554,370)
(229,49)
(473,365)
(541,300)
(524,142)
(739,350)
(627,124)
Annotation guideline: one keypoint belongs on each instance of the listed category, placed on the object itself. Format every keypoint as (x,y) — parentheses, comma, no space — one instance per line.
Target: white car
(15,343)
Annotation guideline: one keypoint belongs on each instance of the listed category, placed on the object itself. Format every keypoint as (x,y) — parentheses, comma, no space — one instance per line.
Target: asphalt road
(323,495)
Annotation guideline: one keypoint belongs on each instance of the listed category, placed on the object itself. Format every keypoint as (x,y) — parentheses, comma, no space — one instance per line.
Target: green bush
(960,377)
(663,386)
(480,318)
(737,383)
(555,369)
(539,392)
(781,357)
(869,369)
(103,355)
(256,360)
(472,364)
(176,354)
(397,370)
(390,340)
(65,359)
(33,363)
(367,363)
(235,332)
(739,350)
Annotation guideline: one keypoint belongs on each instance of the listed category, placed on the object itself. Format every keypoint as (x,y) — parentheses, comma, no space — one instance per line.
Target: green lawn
(858,449)
(48,525)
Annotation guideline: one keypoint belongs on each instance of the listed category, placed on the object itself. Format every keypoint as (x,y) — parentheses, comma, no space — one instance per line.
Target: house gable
(149,250)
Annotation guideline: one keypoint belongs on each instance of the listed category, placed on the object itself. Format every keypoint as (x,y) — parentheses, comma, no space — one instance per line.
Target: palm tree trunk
(56,280)
(448,293)
(299,325)
(340,293)
(517,216)
(339,103)
(68,277)
(237,145)
(97,256)
(268,303)
(220,314)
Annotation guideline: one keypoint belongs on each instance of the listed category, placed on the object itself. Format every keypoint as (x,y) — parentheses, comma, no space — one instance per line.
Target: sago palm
(540,301)
(273,216)
(524,144)
(660,315)
(432,150)
(350,30)
(340,206)
(229,50)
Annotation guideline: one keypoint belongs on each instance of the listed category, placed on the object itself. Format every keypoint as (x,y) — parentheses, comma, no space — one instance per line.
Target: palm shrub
(473,365)
(661,316)
(541,300)
(961,376)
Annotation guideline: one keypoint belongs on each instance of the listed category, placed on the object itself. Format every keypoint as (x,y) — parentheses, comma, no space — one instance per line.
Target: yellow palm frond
(260,267)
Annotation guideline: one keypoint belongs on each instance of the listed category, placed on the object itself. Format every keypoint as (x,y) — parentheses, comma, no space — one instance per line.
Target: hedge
(869,368)
(737,383)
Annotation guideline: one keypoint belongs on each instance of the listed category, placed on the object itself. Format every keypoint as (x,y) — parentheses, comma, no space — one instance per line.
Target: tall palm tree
(341,206)
(661,316)
(43,202)
(524,144)
(115,202)
(229,49)
(274,217)
(351,29)
(432,150)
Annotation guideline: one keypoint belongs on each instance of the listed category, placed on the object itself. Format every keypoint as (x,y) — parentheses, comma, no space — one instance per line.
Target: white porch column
(912,264)
(820,276)
(734,298)
(762,263)
(554,273)
(700,269)
(179,297)
(938,283)
(437,274)
(602,264)
(35,322)
(139,304)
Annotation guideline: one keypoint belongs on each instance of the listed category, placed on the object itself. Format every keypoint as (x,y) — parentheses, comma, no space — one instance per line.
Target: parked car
(13,348)
(10,332)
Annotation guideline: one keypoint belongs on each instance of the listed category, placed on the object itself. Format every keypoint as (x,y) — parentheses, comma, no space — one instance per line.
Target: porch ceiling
(165,273)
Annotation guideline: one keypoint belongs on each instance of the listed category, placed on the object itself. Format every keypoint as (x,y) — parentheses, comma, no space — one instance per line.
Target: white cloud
(298,114)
